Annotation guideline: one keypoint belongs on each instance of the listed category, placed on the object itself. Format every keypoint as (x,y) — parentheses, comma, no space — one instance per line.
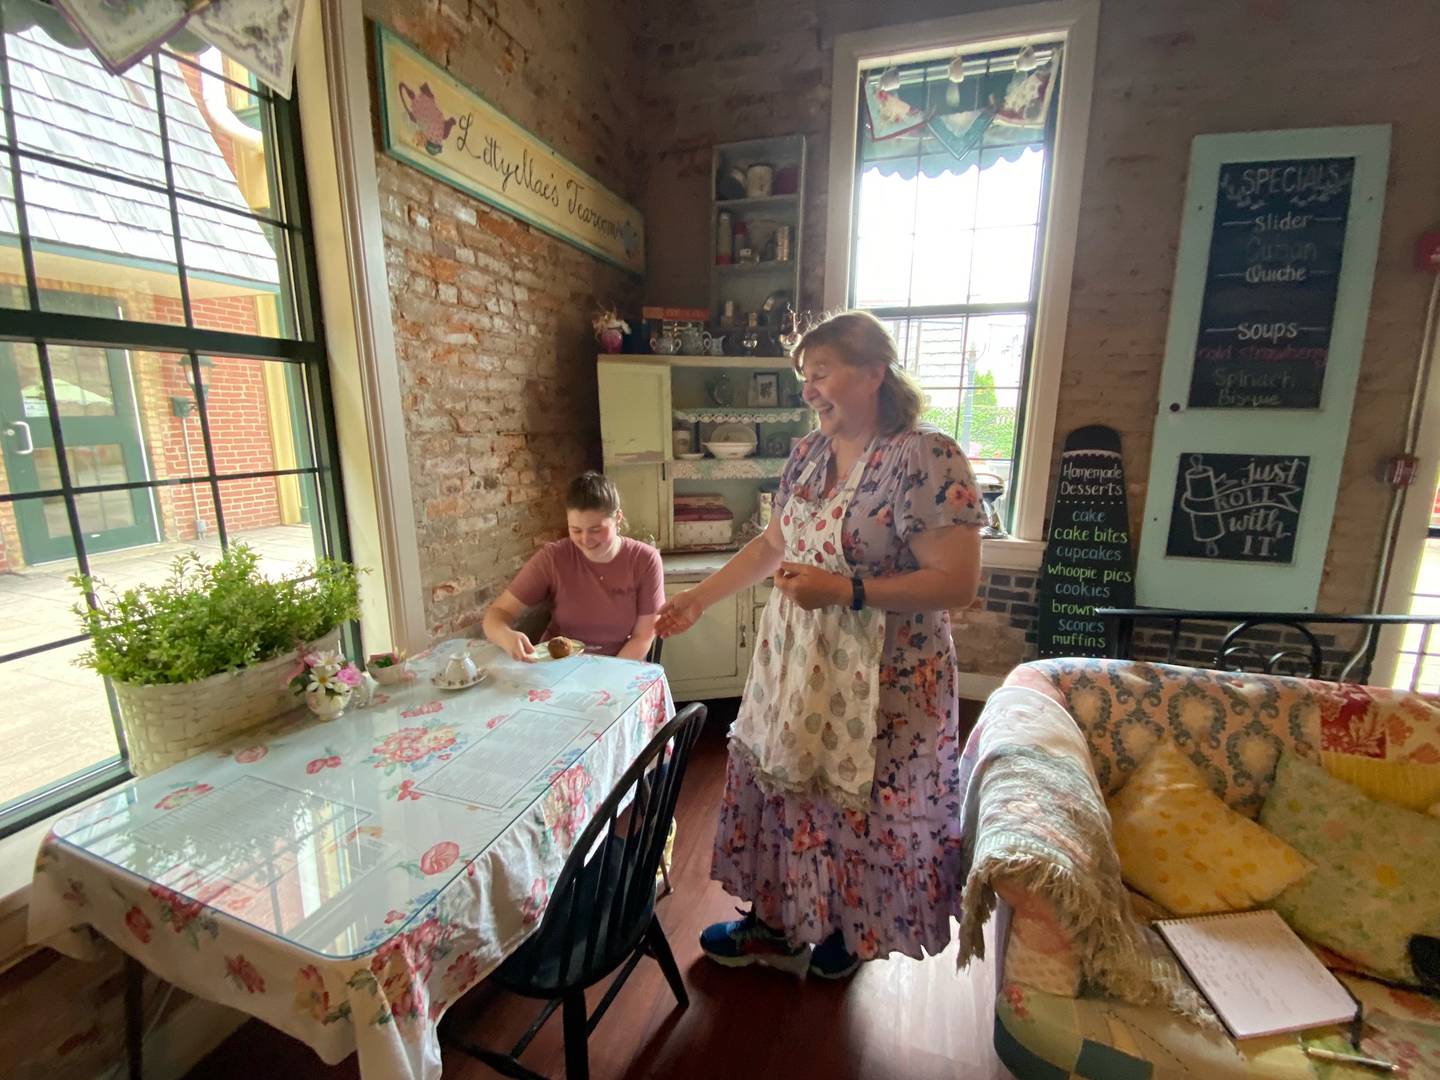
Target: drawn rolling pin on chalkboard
(1202,503)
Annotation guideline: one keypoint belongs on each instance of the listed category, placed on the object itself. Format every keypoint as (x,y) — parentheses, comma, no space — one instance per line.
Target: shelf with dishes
(759,203)
(784,266)
(691,467)
(737,415)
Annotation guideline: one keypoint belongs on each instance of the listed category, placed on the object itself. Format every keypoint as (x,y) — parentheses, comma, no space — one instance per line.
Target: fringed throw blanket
(1034,819)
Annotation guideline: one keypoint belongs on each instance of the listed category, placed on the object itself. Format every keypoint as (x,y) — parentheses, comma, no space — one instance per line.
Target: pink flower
(241,972)
(349,675)
(315,766)
(406,790)
(534,904)
(540,695)
(251,754)
(440,857)
(462,974)
(310,994)
(139,925)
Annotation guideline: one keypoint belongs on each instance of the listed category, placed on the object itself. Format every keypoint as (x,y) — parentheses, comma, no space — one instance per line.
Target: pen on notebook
(1350,1059)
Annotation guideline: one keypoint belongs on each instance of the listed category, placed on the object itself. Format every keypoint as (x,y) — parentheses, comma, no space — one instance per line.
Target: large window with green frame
(162,379)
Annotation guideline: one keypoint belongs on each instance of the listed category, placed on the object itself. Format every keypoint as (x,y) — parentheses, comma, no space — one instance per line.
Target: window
(162,382)
(950,181)
(957,153)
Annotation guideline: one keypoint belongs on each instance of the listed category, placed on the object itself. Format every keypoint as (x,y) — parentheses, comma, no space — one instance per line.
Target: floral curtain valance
(933,125)
(257,34)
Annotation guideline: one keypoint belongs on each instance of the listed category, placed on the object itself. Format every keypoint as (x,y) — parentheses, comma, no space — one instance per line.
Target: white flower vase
(327,706)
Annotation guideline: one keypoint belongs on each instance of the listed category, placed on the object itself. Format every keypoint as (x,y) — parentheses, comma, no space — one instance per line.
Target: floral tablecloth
(346,881)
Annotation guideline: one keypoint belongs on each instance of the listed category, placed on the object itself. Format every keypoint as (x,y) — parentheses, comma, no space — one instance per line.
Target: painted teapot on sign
(425,111)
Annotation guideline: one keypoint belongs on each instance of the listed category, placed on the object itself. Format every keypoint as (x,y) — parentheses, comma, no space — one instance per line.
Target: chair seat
(1045,1037)
(534,969)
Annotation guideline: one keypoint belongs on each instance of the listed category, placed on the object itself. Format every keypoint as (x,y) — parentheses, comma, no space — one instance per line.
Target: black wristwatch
(857,594)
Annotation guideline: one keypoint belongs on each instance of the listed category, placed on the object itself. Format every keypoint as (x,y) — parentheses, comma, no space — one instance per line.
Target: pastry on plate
(561,647)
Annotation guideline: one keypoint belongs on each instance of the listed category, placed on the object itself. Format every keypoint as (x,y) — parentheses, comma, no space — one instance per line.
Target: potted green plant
(205,654)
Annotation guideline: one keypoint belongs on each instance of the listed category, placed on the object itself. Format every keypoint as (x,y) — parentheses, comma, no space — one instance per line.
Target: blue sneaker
(747,941)
(831,960)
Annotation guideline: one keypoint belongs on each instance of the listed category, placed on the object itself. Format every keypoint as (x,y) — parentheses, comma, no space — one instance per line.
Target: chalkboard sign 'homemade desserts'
(1089,561)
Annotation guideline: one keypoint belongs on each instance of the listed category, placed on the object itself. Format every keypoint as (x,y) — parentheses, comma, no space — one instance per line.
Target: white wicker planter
(166,724)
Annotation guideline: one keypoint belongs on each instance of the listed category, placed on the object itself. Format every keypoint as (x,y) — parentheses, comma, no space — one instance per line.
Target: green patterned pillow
(1376,881)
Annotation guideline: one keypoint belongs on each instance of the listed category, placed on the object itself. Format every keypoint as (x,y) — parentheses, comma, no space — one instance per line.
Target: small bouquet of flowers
(325,680)
(610,329)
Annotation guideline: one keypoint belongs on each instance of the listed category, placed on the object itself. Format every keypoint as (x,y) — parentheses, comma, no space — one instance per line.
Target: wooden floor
(895,1019)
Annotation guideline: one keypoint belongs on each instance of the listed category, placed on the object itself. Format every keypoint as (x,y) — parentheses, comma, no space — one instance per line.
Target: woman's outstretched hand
(810,587)
(680,613)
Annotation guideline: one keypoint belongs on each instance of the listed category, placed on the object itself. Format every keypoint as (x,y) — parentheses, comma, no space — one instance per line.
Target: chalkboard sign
(1271,282)
(1242,507)
(1088,558)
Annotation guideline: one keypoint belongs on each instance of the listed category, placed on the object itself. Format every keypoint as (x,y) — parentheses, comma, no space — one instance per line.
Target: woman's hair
(592,491)
(861,340)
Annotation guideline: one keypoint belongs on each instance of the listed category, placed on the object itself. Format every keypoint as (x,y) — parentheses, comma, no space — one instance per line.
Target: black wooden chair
(601,913)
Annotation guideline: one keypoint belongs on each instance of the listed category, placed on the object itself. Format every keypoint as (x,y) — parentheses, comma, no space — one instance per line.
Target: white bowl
(730,450)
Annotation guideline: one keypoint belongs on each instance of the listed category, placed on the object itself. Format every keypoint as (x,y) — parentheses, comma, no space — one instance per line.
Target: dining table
(347,880)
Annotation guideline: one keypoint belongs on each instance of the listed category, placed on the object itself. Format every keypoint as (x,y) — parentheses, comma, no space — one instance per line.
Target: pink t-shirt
(596,603)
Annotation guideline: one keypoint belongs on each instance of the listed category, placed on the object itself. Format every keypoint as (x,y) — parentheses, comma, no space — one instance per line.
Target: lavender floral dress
(887,879)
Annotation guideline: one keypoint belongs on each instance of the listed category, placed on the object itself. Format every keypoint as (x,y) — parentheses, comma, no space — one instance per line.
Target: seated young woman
(603,589)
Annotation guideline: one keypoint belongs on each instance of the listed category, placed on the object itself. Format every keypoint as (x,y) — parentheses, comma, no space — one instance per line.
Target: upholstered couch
(1051,1023)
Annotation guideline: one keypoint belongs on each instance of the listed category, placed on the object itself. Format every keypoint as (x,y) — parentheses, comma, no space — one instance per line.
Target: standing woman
(840,823)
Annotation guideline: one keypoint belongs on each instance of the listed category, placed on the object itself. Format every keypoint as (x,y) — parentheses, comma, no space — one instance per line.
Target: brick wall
(1166,71)
(491,316)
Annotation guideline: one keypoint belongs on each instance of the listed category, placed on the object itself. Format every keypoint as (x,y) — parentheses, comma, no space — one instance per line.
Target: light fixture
(890,79)
(189,369)
(1025,59)
(956,71)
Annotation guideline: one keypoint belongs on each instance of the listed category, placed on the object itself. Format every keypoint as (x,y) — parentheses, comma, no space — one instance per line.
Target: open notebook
(1257,974)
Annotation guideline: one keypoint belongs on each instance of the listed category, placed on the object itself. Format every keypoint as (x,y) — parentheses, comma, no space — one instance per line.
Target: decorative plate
(735,433)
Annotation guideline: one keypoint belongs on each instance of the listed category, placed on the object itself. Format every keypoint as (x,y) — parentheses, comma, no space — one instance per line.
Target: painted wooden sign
(1088,558)
(442,127)
(1273,273)
(1225,406)
(1242,507)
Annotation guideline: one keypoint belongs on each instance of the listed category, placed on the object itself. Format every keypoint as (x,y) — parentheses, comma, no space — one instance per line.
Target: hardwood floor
(894,1019)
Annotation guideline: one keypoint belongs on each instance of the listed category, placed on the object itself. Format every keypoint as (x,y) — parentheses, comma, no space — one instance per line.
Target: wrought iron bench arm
(1125,620)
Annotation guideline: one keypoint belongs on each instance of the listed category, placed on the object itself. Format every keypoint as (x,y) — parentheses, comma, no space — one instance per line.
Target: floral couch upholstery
(1048,1024)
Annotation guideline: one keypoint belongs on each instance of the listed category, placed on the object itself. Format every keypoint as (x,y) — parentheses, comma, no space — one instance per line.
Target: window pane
(946,202)
(942,269)
(61,726)
(276,516)
(971,370)
(68,106)
(234,265)
(1010,190)
(887,205)
(999,345)
(103,247)
(1003,263)
(257,414)
(12,265)
(882,270)
(36,607)
(216,145)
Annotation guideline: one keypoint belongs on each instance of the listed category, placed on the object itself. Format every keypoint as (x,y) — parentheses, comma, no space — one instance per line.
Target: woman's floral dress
(888,879)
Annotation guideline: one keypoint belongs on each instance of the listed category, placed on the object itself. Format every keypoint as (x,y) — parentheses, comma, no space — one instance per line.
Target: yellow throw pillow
(1184,848)
(1411,784)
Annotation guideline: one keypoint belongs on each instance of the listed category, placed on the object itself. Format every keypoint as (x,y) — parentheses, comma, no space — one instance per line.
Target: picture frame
(765,390)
